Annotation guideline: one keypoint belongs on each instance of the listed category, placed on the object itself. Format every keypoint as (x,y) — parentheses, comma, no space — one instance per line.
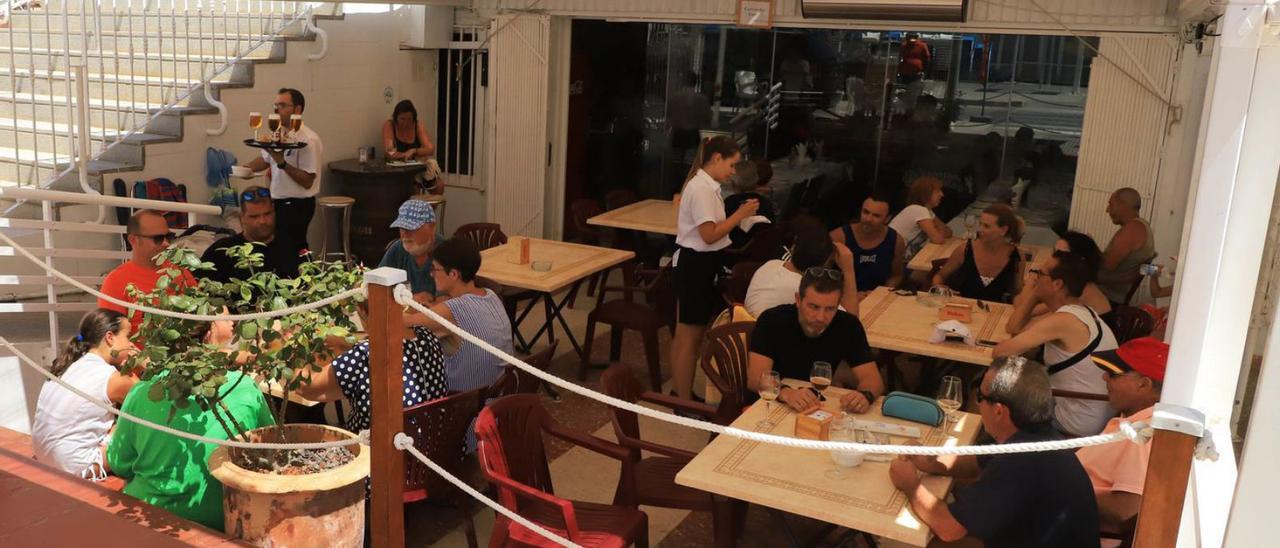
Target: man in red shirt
(914,59)
(148,234)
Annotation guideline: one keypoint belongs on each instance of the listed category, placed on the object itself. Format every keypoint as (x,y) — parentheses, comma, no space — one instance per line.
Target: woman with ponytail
(702,231)
(69,432)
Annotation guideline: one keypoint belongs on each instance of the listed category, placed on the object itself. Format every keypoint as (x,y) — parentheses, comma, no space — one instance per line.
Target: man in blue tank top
(878,250)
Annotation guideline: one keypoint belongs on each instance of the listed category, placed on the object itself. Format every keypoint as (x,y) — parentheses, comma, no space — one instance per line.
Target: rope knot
(1205,449)
(1136,432)
(402,441)
(364,437)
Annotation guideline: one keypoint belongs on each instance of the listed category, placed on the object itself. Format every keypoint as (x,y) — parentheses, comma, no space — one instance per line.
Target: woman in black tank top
(996,249)
(403,136)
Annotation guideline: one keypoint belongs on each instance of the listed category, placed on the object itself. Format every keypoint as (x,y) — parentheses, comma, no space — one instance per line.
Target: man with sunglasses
(1134,374)
(790,338)
(148,235)
(1022,500)
(295,174)
(1069,335)
(280,252)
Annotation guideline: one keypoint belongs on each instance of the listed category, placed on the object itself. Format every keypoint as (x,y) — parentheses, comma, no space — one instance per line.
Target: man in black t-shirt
(1023,500)
(280,253)
(789,338)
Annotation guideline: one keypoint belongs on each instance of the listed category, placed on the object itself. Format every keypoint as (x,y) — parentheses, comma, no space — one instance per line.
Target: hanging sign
(756,14)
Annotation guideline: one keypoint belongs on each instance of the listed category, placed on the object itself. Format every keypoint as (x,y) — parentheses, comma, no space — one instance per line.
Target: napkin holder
(814,424)
(961,312)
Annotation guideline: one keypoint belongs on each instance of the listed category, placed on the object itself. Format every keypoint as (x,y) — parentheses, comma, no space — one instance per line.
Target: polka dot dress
(424,378)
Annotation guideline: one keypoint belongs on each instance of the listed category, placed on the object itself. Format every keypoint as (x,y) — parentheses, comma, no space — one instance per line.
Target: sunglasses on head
(251,195)
(156,238)
(818,272)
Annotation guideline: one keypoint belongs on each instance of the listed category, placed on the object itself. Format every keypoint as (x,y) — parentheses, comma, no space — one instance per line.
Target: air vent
(896,10)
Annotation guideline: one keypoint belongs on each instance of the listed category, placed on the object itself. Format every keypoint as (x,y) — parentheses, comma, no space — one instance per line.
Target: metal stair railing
(128,61)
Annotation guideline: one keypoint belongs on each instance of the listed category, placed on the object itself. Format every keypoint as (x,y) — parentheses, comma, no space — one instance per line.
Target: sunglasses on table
(251,195)
(819,272)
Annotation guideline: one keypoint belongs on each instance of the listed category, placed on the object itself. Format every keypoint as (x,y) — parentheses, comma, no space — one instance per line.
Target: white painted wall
(345,102)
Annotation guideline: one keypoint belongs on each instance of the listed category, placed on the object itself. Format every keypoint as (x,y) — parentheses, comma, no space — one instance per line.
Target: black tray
(274,145)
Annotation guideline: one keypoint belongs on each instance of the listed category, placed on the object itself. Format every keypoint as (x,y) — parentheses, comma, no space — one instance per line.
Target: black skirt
(695,281)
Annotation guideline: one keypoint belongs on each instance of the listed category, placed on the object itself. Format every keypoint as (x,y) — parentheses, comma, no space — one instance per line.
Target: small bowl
(540,266)
(241,171)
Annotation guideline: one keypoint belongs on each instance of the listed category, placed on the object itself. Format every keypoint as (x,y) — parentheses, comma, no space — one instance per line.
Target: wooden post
(386,385)
(1172,448)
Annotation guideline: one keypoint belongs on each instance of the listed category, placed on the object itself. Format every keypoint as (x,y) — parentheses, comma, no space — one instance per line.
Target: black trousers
(293,217)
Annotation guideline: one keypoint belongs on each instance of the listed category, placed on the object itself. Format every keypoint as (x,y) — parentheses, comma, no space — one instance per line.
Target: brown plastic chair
(485,235)
(439,431)
(724,358)
(624,313)
(735,288)
(514,459)
(579,211)
(1137,282)
(515,381)
(1129,322)
(619,197)
(653,481)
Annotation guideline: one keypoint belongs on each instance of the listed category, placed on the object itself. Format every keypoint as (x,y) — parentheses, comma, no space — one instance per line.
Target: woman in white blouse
(702,231)
(70,432)
(916,223)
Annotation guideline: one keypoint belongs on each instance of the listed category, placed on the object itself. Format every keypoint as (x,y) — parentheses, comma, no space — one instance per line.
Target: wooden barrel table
(379,189)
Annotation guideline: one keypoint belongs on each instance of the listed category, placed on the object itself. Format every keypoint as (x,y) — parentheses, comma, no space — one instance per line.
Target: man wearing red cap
(1134,374)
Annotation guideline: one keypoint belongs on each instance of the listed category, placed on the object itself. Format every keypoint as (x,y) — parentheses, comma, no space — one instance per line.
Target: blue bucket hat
(414,214)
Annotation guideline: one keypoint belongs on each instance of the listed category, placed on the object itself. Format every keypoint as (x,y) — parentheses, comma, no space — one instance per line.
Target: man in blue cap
(412,253)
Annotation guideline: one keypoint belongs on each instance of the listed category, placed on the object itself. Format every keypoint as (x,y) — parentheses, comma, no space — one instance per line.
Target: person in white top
(702,231)
(916,223)
(777,281)
(69,432)
(295,174)
(1069,335)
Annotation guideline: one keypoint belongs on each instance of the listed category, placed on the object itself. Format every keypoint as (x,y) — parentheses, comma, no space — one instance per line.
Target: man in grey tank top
(1130,247)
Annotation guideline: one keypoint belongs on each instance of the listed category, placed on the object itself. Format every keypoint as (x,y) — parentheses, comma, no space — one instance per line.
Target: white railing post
(82,129)
(51,292)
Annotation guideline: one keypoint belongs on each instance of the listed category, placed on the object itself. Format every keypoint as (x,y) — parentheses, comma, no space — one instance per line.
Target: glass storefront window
(995,117)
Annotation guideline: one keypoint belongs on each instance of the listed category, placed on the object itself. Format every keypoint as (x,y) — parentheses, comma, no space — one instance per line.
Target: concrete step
(16,162)
(51,136)
(105,86)
(45,57)
(180,42)
(164,22)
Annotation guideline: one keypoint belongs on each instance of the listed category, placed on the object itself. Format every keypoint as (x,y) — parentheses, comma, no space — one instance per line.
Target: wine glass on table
(255,122)
(770,385)
(950,396)
(820,378)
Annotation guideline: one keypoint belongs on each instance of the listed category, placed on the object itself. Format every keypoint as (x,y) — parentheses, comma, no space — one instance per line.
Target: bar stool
(344,204)
(437,202)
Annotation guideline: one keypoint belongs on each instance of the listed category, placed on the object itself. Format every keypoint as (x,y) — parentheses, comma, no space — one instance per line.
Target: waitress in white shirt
(69,432)
(702,231)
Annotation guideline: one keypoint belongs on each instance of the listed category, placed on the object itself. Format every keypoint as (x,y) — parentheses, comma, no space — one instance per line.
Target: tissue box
(962,312)
(814,424)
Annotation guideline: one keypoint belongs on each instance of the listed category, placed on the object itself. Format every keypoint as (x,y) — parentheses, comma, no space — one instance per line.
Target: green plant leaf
(248,330)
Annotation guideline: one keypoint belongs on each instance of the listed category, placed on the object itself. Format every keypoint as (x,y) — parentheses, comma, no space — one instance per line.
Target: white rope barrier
(358,291)
(1138,432)
(363,437)
(405,443)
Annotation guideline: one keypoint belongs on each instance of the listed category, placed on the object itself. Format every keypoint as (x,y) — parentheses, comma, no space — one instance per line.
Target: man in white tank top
(1069,335)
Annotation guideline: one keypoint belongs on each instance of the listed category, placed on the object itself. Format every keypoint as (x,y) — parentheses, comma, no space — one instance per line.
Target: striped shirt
(484,316)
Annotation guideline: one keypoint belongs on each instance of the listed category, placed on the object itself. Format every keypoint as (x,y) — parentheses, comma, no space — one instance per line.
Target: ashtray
(541,266)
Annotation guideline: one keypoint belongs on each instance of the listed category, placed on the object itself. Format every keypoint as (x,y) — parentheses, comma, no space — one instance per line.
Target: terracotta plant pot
(322,509)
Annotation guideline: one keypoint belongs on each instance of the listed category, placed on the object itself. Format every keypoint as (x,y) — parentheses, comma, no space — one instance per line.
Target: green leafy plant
(186,368)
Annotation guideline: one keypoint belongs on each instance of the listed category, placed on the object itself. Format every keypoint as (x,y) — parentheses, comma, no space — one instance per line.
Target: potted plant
(270,497)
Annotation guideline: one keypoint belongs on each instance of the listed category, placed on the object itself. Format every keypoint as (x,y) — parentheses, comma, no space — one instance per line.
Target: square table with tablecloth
(794,480)
(896,321)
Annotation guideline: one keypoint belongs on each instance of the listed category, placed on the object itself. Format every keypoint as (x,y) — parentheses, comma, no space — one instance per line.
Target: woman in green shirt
(172,472)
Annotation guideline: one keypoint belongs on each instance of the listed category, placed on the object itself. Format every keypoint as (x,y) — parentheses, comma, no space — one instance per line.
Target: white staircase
(146,64)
